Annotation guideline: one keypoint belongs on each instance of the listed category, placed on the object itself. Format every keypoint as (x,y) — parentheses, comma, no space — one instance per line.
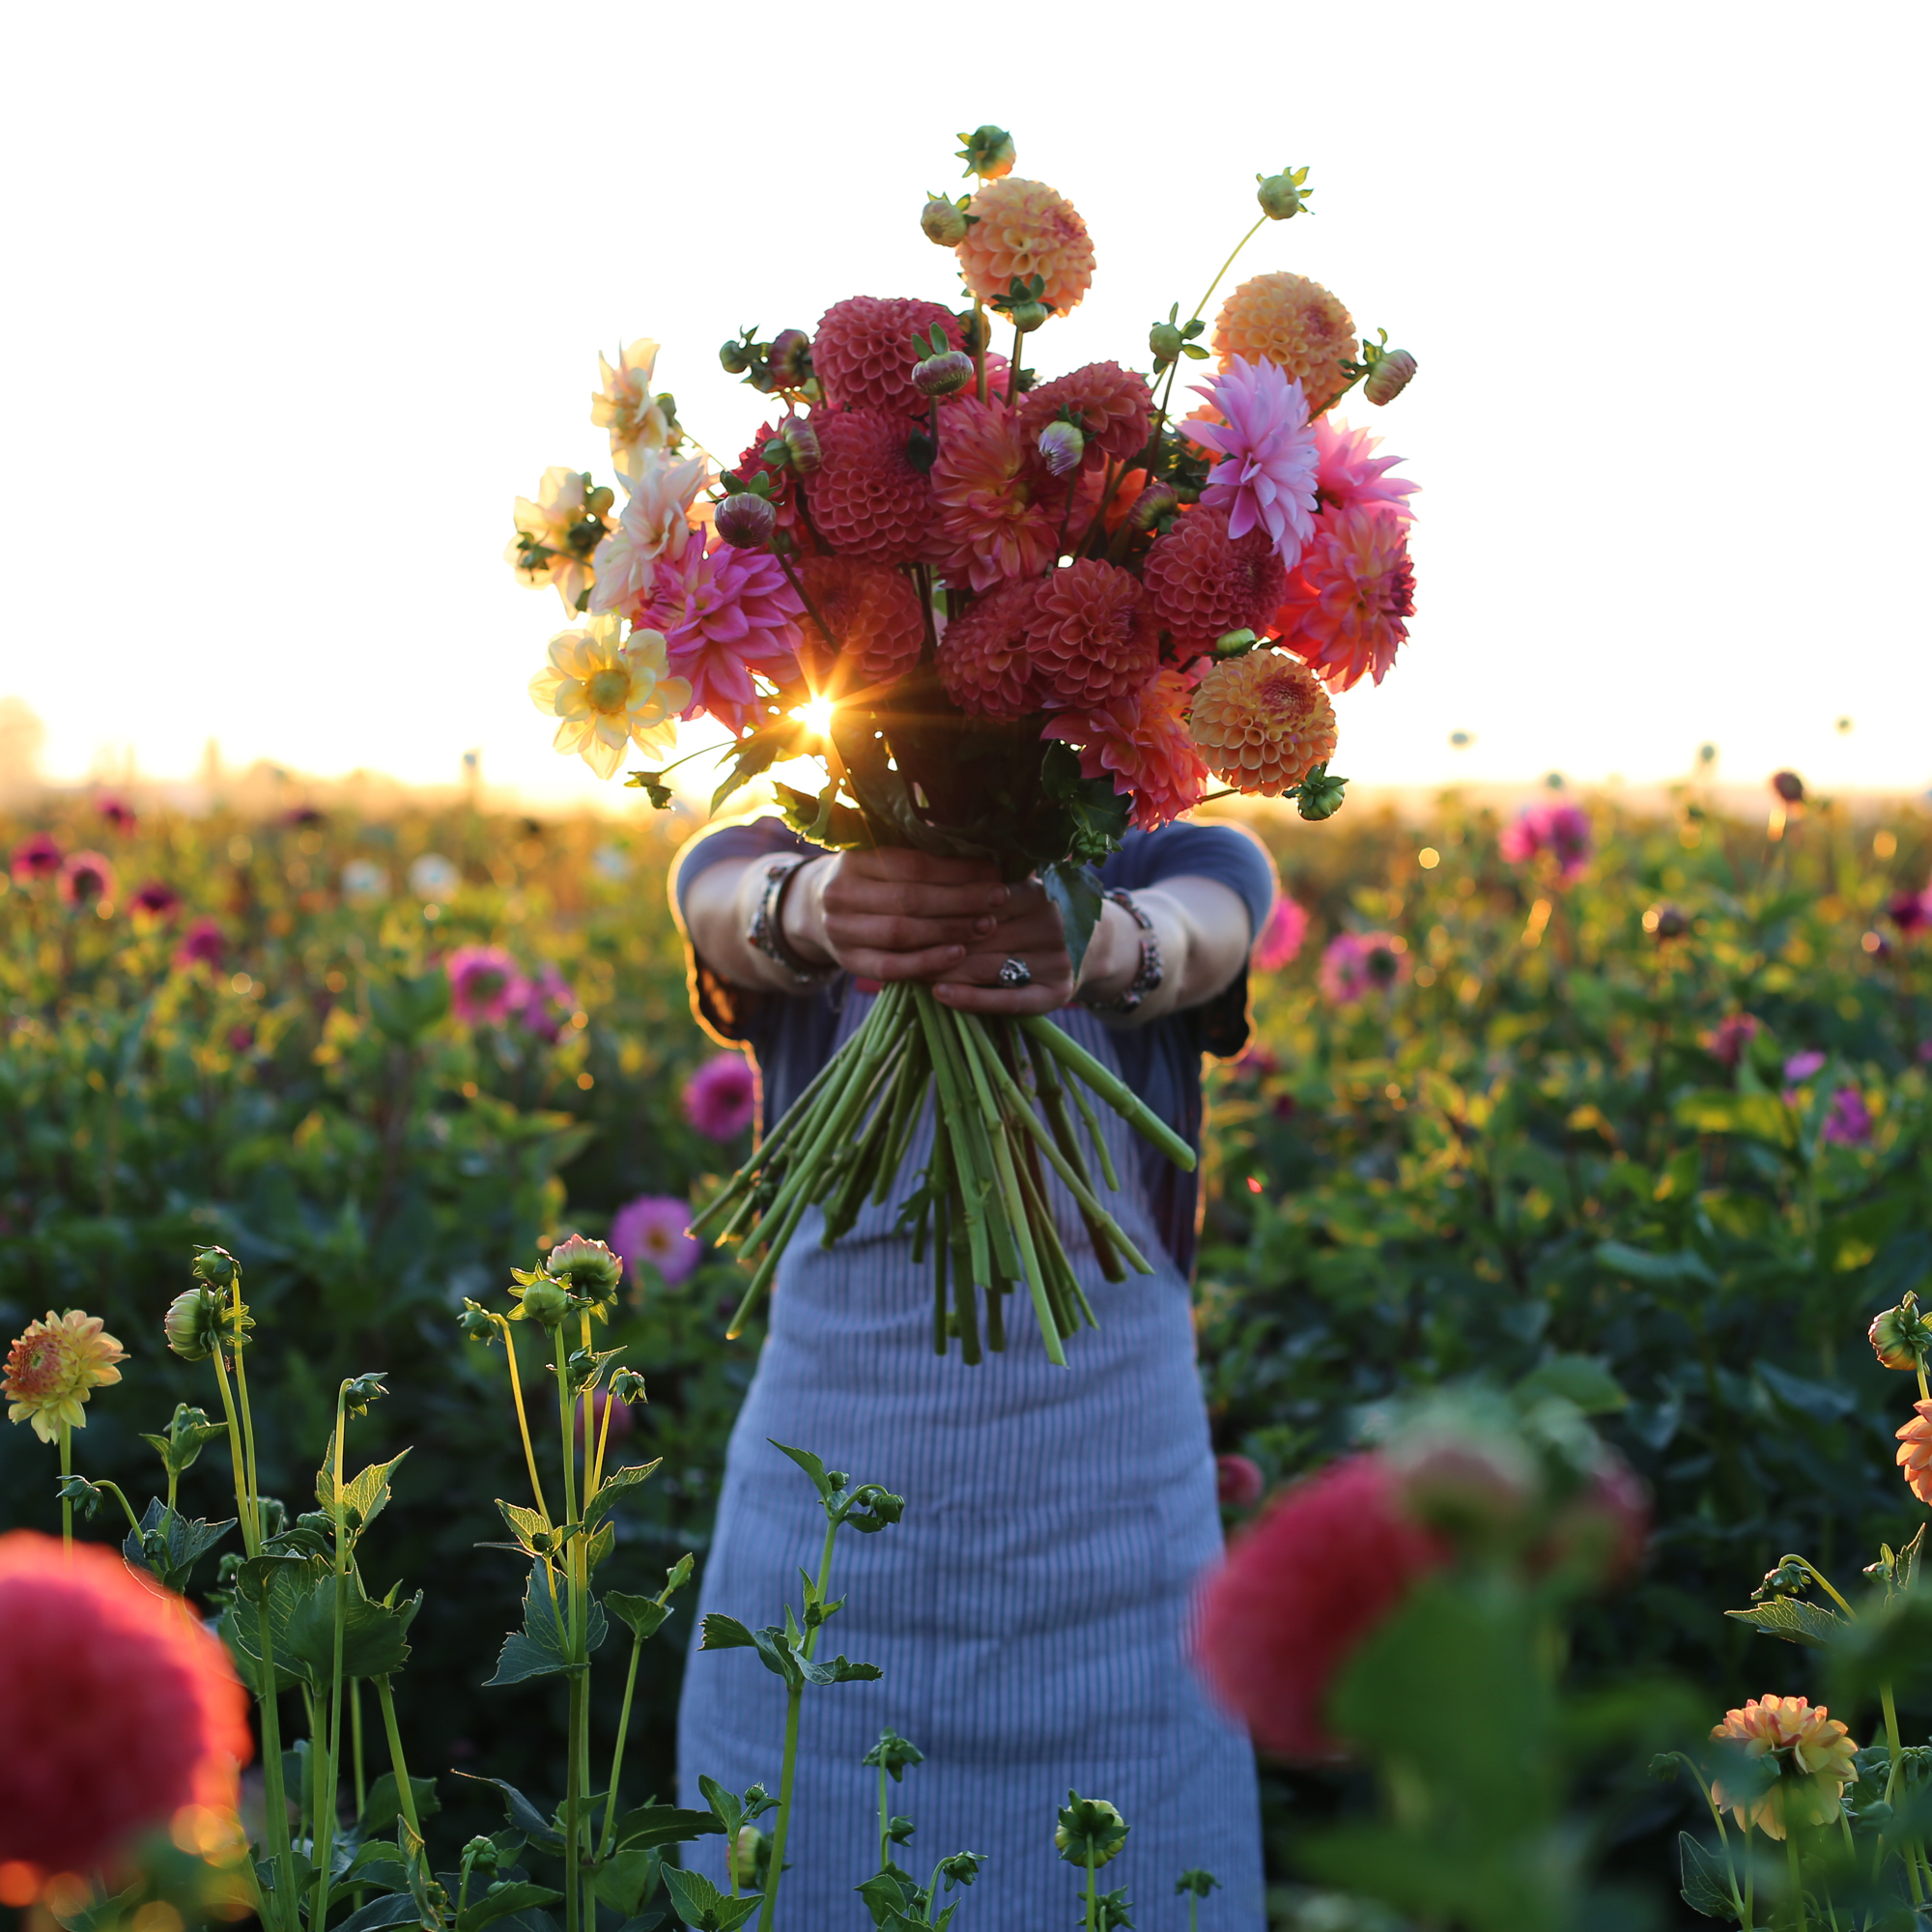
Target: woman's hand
(893,914)
(1028,929)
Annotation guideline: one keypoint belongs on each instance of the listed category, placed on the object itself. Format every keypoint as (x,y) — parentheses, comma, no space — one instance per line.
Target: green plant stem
(1797,1876)
(251,1540)
(617,1755)
(281,1846)
(329,1734)
(356,1745)
(247,1426)
(1225,267)
(1013,372)
(406,1796)
(885,1833)
(1092,1896)
(523,1420)
(1113,1090)
(67,1469)
(574,1786)
(794,1698)
(1912,1853)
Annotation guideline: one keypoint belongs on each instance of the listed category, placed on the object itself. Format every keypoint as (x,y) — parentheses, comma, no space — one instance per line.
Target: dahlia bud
(591,1268)
(988,153)
(215,1266)
(1319,796)
(545,1303)
(789,358)
(1283,195)
(193,1325)
(943,375)
(601,501)
(1027,316)
(747,521)
(1391,377)
(1234,643)
(627,1385)
(735,357)
(476,1323)
(1164,339)
(1790,1578)
(1154,506)
(1901,1337)
(796,446)
(1789,786)
(1090,1827)
(943,221)
(1061,446)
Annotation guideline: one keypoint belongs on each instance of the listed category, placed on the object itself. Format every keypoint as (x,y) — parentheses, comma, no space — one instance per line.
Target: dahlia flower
(874,616)
(726,613)
(156,900)
(1021,229)
(201,944)
(753,462)
(1294,323)
(1090,634)
(556,534)
(1113,406)
(1348,603)
(1730,1037)
(544,1003)
(609,694)
(986,482)
(983,660)
(35,859)
(1910,912)
(1355,964)
(1280,939)
(1202,584)
(1265,478)
(1262,721)
(54,1366)
(652,1229)
(1848,1120)
(1801,1067)
(1239,1482)
(655,527)
(627,409)
(1915,1452)
(865,498)
(87,880)
(1813,1753)
(1349,472)
(1560,832)
(1299,1592)
(484,984)
(1144,742)
(722,1097)
(862,354)
(117,812)
(123,1712)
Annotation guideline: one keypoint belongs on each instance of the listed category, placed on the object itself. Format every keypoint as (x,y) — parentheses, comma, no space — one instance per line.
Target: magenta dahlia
(722,1097)
(1265,478)
(725,613)
(1352,474)
(865,498)
(652,1229)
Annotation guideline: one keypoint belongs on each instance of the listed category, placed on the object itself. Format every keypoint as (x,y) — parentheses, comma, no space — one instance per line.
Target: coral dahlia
(876,618)
(1280,939)
(1915,1452)
(865,497)
(1265,478)
(1262,721)
(726,613)
(862,354)
(984,662)
(52,1369)
(1092,636)
(988,483)
(1144,742)
(1202,583)
(1113,406)
(1814,1756)
(1294,323)
(1022,229)
(1348,605)
(1350,473)
(121,1708)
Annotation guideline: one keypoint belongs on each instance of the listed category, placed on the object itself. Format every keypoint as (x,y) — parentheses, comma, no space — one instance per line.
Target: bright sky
(301,297)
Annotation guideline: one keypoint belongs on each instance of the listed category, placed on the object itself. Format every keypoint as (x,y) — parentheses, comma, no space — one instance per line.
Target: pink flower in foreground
(1349,471)
(1730,1037)
(1266,478)
(652,1229)
(484,984)
(1281,938)
(201,945)
(725,613)
(544,1004)
(87,880)
(36,858)
(1238,1481)
(1848,1122)
(722,1097)
(1355,964)
(1560,832)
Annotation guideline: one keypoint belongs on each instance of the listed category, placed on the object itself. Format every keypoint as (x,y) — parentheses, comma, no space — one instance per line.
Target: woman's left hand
(1028,931)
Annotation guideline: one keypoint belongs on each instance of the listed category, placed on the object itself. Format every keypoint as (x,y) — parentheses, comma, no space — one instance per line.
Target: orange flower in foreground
(1262,721)
(53,1366)
(1813,1752)
(123,1715)
(1288,320)
(1021,229)
(1915,1452)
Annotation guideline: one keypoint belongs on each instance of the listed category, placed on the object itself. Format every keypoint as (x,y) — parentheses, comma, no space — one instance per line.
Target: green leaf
(702,1905)
(1584,1381)
(372,1633)
(1761,1117)
(1075,891)
(381,1810)
(1796,1622)
(627,1879)
(405,1006)
(542,1647)
(289,1582)
(612,1491)
(523,1815)
(844,830)
(170,1545)
(640,1616)
(808,1463)
(1676,1271)
(839,1671)
(652,1826)
(396,1908)
(1707,1884)
(505,1897)
(721,1632)
(368,1491)
(534,1537)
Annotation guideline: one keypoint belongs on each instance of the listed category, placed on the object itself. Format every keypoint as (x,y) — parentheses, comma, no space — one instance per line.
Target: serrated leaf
(613,1487)
(542,1647)
(373,1641)
(526,1525)
(381,1809)
(640,1616)
(505,1897)
(184,1542)
(367,1492)
(839,1671)
(1796,1622)
(288,1582)
(721,1632)
(1706,1880)
(523,1815)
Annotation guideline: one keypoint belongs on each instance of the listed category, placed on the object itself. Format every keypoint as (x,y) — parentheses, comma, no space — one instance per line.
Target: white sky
(301,297)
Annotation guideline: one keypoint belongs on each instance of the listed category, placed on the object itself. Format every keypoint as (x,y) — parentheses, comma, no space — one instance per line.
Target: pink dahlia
(1355,964)
(1730,1037)
(862,354)
(1314,1577)
(36,858)
(1265,478)
(1352,474)
(865,498)
(201,945)
(1112,406)
(117,812)
(1348,603)
(1201,584)
(1848,1122)
(1144,742)
(1239,1482)
(87,880)
(720,1098)
(545,1002)
(1559,832)
(754,463)
(989,484)
(1910,912)
(984,662)
(1280,939)
(156,901)
(725,613)
(652,1229)
(484,984)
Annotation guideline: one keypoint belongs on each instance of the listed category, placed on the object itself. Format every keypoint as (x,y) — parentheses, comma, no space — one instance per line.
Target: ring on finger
(1014,971)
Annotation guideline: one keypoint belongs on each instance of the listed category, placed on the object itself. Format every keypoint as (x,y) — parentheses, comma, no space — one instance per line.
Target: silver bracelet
(766,932)
(1147,976)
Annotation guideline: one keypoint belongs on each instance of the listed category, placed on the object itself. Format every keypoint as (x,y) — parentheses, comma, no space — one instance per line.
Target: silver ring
(1015,972)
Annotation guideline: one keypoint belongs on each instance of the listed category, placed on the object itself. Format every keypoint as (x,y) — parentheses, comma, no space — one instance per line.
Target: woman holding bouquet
(1028,1613)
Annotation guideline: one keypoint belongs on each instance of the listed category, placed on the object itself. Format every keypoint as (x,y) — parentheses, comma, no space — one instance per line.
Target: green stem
(1093,1895)
(1224,267)
(281,1847)
(1113,1090)
(248,1423)
(794,1695)
(574,1788)
(329,1737)
(1911,1850)
(251,1541)
(885,1833)
(356,1745)
(617,1755)
(67,1469)
(1797,1875)
(523,1420)
(406,1796)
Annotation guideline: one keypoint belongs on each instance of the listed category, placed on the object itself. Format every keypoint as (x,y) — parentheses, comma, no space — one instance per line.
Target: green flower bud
(1319,796)
(594,1271)
(476,1323)
(943,221)
(544,1303)
(789,358)
(628,1385)
(1901,1337)
(735,357)
(217,1267)
(943,375)
(1061,446)
(359,1391)
(893,1753)
(1164,339)
(1027,316)
(1283,195)
(192,1324)
(1154,507)
(1234,643)
(1089,1829)
(988,153)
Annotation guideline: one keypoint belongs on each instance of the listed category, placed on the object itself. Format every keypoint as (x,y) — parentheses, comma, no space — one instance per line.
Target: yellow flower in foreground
(1813,1752)
(609,694)
(626,407)
(1915,1451)
(53,1366)
(557,533)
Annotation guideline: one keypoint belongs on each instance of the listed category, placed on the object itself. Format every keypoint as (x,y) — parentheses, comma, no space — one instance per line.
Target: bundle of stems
(1003,1095)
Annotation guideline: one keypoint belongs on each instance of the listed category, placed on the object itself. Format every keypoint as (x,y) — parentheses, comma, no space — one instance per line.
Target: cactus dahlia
(1348,605)
(1292,322)
(1262,722)
(1021,229)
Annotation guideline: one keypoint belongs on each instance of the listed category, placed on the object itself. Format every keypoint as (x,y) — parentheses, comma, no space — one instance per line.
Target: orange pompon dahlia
(1813,1752)
(862,354)
(1291,320)
(53,1367)
(1349,599)
(876,620)
(1092,636)
(1202,583)
(1113,406)
(1915,1452)
(865,498)
(1262,721)
(987,483)
(1021,229)
(983,660)
(122,1714)
(1144,742)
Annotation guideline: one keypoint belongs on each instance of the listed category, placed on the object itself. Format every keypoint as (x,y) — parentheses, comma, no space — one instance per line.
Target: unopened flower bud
(943,221)
(1391,377)
(1153,506)
(476,1323)
(1790,1578)
(988,153)
(1027,316)
(193,1325)
(1901,1337)
(735,357)
(943,375)
(627,1385)
(592,1269)
(1282,195)
(1090,1827)
(1789,786)
(796,445)
(215,1266)
(1062,446)
(1320,796)
(1234,643)
(747,521)
(789,358)
(1164,338)
(545,1303)
(601,501)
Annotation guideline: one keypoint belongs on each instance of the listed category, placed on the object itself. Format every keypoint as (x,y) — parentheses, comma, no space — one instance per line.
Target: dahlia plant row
(1007,618)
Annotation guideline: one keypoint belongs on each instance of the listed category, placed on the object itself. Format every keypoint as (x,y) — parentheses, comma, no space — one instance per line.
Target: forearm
(721,907)
(1201,928)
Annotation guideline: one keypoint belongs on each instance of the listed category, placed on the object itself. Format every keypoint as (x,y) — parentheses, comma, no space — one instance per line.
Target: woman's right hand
(892,914)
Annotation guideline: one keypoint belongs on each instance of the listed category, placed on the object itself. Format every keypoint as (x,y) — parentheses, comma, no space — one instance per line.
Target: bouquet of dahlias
(1007,618)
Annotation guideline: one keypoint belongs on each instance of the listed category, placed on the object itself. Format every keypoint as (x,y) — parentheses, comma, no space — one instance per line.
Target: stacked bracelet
(1147,976)
(766,933)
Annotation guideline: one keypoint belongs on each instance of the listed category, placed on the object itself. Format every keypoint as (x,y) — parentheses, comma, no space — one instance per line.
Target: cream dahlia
(987,482)
(609,693)
(556,534)
(984,662)
(1201,584)
(1348,605)
(1262,721)
(865,498)
(656,525)
(54,1366)
(1265,478)
(1022,229)
(1294,323)
(1143,741)
(724,614)
(876,618)
(1092,636)
(627,409)
(862,354)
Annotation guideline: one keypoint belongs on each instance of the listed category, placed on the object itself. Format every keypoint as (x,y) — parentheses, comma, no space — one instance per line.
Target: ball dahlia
(1348,604)
(1113,406)
(865,498)
(1143,741)
(121,1708)
(1092,636)
(984,662)
(1022,229)
(999,512)
(862,354)
(1294,323)
(1202,583)
(1262,722)
(874,616)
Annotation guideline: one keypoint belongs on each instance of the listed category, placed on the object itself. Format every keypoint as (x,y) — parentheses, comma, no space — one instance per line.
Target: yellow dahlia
(609,694)
(627,409)
(52,1368)
(1288,320)
(1021,229)
(1262,721)
(1813,1754)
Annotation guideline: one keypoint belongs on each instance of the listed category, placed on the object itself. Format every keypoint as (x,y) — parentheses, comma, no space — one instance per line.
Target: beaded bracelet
(1147,976)
(766,932)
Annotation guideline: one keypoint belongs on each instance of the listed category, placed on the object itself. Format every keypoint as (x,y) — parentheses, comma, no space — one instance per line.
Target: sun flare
(817,715)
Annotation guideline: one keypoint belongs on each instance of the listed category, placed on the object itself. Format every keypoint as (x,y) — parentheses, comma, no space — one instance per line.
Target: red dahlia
(1143,741)
(874,616)
(1202,584)
(1092,636)
(1112,406)
(865,497)
(862,354)
(984,662)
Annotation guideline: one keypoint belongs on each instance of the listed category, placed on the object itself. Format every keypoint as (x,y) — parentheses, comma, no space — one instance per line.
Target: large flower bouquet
(1007,618)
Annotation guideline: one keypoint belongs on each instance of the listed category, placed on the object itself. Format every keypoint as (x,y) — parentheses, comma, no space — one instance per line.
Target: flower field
(1635,1105)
